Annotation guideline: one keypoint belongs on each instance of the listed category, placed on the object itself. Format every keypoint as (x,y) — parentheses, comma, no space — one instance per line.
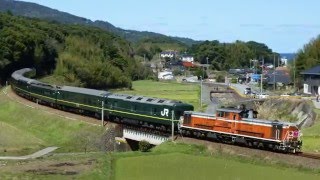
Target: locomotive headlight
(181,119)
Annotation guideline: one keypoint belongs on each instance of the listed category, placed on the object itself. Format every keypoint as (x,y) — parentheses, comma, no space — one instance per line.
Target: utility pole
(274,72)
(102,113)
(200,91)
(294,74)
(207,65)
(261,80)
(172,125)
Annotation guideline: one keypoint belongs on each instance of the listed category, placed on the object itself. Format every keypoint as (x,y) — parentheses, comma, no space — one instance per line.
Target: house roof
(280,77)
(315,70)
(186,55)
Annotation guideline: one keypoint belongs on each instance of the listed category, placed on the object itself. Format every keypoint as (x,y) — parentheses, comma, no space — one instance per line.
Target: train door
(276,130)
(234,118)
(187,119)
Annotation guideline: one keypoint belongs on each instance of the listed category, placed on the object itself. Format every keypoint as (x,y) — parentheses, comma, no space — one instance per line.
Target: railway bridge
(137,135)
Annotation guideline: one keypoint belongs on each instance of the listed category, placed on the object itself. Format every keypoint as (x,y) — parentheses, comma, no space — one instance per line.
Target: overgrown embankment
(289,110)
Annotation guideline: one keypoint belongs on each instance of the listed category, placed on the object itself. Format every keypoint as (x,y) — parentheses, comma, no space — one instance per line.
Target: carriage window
(115,103)
(154,111)
(220,114)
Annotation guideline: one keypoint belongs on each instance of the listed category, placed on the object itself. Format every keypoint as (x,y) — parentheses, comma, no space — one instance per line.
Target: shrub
(144,146)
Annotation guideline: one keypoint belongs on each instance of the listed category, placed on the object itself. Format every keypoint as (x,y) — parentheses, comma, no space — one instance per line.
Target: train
(228,125)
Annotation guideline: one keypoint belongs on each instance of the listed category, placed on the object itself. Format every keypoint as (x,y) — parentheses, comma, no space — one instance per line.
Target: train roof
(87,91)
(230,110)
(19,75)
(144,99)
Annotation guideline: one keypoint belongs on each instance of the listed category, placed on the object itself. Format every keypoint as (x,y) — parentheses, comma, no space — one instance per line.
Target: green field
(183,166)
(188,93)
(182,161)
(25,130)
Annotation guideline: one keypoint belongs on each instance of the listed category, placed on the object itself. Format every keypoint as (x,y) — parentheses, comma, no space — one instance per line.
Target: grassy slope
(180,161)
(13,139)
(188,93)
(39,128)
(311,135)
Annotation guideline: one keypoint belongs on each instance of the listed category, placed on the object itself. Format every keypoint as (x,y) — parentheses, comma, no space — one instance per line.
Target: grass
(188,93)
(311,135)
(183,166)
(14,140)
(181,161)
(33,129)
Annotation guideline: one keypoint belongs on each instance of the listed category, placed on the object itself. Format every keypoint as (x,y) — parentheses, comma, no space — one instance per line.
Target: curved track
(93,121)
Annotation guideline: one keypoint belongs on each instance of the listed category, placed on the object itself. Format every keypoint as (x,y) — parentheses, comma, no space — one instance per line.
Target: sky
(283,25)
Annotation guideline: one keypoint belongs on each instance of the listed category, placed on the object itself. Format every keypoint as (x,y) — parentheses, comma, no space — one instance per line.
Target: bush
(220,78)
(144,146)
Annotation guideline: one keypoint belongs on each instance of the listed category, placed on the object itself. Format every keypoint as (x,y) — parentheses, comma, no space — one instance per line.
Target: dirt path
(31,156)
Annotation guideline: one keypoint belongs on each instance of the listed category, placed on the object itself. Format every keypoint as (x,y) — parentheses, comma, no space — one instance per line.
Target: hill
(38,11)
(66,51)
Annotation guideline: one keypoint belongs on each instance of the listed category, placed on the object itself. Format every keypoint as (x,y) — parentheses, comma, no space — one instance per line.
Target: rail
(309,155)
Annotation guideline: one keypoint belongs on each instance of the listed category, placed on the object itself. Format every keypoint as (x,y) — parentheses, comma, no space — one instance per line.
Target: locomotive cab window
(220,114)
(187,119)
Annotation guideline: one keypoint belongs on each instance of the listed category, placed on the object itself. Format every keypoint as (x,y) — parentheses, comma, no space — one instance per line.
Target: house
(311,78)
(168,54)
(187,58)
(280,77)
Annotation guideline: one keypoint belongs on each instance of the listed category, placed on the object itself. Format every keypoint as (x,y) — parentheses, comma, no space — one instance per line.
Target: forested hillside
(38,11)
(80,55)
(308,56)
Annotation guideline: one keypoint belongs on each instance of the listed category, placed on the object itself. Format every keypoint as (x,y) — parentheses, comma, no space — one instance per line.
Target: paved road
(31,156)
(212,105)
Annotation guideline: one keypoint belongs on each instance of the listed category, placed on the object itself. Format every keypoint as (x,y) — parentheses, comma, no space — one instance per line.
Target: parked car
(247,91)
(262,95)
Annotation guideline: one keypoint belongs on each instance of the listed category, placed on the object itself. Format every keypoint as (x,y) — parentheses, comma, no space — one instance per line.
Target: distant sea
(289,56)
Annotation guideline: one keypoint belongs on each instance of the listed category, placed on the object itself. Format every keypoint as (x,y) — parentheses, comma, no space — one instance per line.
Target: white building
(169,54)
(187,58)
(284,61)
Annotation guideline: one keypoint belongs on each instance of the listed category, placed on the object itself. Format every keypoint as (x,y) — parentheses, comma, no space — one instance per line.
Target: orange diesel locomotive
(241,126)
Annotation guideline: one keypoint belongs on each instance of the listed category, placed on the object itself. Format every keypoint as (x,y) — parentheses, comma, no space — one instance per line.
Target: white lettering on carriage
(165,112)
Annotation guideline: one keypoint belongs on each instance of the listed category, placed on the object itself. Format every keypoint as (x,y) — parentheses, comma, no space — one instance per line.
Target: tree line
(223,56)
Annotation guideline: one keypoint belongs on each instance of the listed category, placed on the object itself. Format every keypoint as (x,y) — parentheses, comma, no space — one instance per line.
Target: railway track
(309,155)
